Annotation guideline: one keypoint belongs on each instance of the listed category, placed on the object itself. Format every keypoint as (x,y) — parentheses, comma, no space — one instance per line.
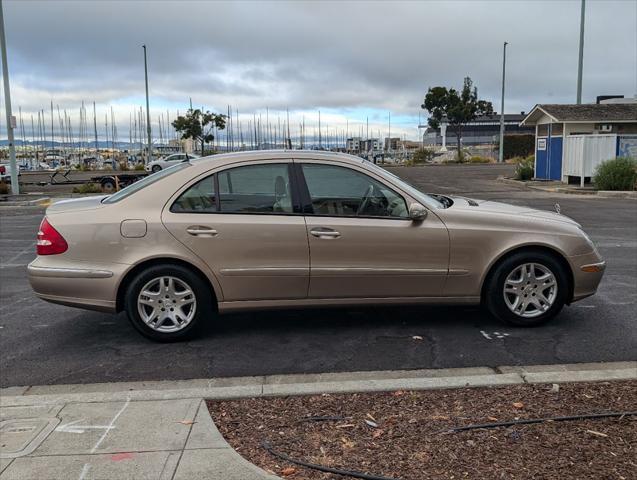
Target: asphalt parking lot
(41,343)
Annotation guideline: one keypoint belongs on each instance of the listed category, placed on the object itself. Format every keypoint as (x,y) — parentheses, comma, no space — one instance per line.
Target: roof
(598,113)
(495,117)
(277,154)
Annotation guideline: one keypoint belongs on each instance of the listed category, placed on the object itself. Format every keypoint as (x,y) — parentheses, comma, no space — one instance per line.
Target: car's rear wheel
(156,168)
(527,289)
(167,303)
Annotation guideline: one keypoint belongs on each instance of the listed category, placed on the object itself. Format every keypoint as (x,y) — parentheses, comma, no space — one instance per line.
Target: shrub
(617,174)
(88,188)
(479,159)
(423,155)
(139,167)
(4,188)
(524,168)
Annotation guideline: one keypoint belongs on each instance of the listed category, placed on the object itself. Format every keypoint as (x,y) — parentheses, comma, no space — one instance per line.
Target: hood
(507,209)
(76,205)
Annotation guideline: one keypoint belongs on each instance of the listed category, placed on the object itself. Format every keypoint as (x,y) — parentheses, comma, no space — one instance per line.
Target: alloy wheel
(530,290)
(166,304)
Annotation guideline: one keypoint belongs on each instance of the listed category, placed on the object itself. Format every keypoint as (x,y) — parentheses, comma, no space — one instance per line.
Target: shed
(571,140)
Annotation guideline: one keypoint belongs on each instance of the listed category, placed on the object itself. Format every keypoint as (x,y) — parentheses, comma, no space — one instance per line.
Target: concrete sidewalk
(162,430)
(156,439)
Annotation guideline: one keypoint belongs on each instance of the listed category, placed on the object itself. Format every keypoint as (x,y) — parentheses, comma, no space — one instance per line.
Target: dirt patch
(407,435)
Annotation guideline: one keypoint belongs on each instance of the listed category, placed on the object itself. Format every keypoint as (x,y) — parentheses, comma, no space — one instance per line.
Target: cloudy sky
(352,60)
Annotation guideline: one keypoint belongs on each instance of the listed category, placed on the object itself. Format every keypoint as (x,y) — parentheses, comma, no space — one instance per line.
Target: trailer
(109,182)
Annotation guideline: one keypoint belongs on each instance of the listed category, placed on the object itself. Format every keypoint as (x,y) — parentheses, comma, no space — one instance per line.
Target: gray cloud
(348,56)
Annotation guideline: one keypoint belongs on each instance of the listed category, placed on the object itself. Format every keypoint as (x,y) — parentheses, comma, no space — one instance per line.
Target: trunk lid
(76,205)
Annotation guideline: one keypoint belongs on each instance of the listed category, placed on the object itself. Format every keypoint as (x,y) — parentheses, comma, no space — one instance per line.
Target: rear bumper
(92,287)
(588,271)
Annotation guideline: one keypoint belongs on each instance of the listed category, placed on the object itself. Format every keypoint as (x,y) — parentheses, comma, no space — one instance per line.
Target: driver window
(343,192)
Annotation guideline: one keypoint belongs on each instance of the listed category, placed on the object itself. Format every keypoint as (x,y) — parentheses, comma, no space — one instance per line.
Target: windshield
(425,199)
(144,182)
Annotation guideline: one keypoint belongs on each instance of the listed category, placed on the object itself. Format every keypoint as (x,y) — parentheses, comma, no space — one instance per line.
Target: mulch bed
(405,434)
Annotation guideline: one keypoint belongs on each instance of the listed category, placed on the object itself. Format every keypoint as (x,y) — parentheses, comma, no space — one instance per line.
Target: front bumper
(92,287)
(588,271)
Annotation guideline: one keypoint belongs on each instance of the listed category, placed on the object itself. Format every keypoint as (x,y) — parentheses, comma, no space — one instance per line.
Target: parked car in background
(274,229)
(170,160)
(46,167)
(5,172)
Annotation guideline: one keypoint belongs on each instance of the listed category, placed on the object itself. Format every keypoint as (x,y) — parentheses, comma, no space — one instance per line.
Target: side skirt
(339,302)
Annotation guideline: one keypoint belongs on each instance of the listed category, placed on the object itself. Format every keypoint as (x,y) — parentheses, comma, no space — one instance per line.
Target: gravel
(406,434)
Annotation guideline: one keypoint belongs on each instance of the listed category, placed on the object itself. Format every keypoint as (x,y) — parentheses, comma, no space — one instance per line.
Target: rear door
(362,243)
(245,223)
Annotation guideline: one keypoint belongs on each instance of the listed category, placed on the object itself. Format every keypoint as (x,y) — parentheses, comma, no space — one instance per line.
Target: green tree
(456,108)
(199,125)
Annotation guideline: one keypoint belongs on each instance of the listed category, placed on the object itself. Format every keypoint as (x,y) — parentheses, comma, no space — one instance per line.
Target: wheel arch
(123,285)
(553,252)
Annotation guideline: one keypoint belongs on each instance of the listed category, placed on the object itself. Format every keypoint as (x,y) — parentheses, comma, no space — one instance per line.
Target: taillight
(3,170)
(50,242)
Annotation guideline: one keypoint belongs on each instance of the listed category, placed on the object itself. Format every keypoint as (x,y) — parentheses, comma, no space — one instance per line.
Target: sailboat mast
(95,129)
(319,132)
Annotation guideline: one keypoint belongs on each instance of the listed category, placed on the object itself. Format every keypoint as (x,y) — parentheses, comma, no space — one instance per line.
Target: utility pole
(504,63)
(11,121)
(580,65)
(150,150)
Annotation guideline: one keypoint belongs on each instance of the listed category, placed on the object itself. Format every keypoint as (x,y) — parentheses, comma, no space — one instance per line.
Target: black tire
(108,185)
(494,297)
(156,168)
(204,310)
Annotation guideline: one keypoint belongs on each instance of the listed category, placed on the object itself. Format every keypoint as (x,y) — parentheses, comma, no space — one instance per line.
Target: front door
(362,243)
(243,222)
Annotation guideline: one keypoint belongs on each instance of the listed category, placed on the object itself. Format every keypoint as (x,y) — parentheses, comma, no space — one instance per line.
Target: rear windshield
(144,182)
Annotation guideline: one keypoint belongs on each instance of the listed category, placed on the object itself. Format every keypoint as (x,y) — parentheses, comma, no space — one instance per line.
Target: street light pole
(504,63)
(150,150)
(15,186)
(580,65)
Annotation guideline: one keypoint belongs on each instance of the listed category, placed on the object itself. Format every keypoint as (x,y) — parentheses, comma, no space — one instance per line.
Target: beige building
(572,140)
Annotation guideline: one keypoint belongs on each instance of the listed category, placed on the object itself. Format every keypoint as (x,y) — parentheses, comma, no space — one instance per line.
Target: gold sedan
(276,229)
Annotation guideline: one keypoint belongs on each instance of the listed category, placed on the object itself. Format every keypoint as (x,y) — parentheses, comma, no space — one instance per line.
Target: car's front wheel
(167,303)
(527,289)
(156,168)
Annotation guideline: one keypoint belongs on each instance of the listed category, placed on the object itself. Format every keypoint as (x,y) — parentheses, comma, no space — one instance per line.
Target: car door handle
(201,231)
(323,232)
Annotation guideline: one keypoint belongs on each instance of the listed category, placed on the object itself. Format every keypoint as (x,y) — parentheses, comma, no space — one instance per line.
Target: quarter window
(200,198)
(256,189)
(343,192)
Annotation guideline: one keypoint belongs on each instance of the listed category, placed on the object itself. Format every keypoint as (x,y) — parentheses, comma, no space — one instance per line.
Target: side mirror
(417,212)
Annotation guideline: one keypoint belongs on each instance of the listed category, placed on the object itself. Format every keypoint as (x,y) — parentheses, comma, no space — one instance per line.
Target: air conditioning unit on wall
(605,128)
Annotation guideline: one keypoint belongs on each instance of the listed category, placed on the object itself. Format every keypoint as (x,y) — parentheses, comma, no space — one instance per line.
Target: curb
(627,194)
(307,384)
(38,202)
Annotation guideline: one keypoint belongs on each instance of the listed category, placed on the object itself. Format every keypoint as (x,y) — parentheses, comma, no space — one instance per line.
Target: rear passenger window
(200,198)
(256,189)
